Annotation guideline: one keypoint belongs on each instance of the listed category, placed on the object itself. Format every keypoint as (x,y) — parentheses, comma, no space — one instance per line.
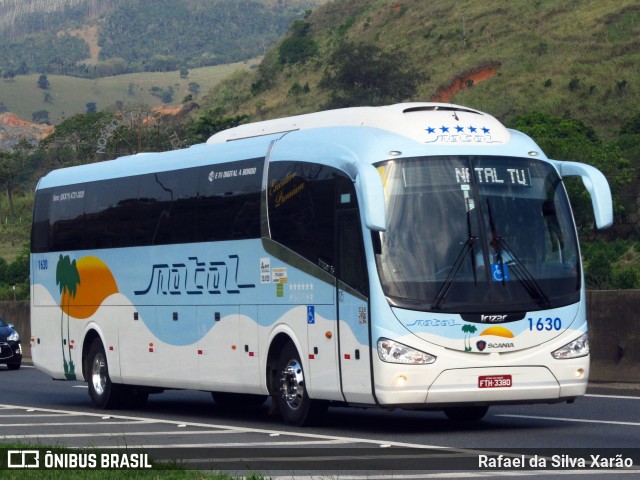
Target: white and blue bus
(417,256)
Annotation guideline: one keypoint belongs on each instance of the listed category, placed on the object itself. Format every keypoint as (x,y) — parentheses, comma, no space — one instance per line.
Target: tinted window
(40,227)
(110,213)
(167,207)
(229,201)
(66,217)
(302,203)
(220,202)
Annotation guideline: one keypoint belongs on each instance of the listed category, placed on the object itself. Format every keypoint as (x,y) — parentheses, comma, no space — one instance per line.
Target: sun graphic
(92,285)
(498,332)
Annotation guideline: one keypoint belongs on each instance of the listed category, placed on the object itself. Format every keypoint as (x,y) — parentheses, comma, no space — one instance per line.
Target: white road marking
(245,430)
(38,415)
(62,424)
(576,420)
(616,397)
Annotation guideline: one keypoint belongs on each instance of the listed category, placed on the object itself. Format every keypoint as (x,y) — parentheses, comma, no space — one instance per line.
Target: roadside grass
(9,251)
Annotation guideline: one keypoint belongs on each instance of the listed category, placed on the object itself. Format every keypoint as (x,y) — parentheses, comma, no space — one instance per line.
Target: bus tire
(466,414)
(104,394)
(294,403)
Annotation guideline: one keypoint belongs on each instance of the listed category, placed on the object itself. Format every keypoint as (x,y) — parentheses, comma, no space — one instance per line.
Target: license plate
(494,381)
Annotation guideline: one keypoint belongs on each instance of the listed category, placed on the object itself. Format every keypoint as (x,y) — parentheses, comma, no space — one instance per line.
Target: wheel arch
(275,347)
(89,338)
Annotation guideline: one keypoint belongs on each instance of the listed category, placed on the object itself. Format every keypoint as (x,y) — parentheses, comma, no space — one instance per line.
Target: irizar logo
(492,318)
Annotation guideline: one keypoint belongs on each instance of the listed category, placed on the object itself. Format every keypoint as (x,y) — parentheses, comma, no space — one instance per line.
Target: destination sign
(506,176)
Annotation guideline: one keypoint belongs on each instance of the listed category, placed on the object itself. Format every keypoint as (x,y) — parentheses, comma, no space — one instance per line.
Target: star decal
(431,130)
(459,129)
(485,129)
(472,129)
(444,129)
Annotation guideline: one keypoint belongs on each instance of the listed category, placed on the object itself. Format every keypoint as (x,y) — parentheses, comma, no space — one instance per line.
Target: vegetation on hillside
(67,96)
(137,35)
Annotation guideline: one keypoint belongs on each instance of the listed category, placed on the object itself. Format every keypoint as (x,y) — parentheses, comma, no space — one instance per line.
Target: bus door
(353,309)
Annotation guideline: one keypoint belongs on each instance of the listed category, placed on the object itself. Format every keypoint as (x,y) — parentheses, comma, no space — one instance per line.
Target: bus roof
(423,122)
(344,136)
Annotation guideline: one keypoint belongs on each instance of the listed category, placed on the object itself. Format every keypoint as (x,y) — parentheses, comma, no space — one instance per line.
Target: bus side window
(351,261)
(40,229)
(303,199)
(175,210)
(66,218)
(228,205)
(110,213)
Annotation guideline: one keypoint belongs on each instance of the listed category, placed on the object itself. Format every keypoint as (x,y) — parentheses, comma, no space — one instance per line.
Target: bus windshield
(471,234)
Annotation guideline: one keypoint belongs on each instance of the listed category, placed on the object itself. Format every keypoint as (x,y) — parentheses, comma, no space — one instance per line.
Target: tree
(43,82)
(41,117)
(570,139)
(364,74)
(184,73)
(76,140)
(91,107)
(298,47)
(194,88)
(12,171)
(211,122)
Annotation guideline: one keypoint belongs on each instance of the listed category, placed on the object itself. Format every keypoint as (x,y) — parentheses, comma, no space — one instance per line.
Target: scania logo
(481,344)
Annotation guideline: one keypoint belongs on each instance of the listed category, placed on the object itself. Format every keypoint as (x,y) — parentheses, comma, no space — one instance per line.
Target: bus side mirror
(371,194)
(597,186)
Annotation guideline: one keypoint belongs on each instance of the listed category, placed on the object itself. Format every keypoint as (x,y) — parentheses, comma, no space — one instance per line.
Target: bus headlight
(394,352)
(578,348)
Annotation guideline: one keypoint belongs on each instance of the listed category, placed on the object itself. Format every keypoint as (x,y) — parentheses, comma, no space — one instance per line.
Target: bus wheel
(103,392)
(466,414)
(293,400)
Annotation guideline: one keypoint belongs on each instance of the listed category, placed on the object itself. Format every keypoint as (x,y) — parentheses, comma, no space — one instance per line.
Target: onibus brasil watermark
(52,460)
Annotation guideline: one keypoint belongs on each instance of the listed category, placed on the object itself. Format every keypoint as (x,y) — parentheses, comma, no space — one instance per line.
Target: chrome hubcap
(292,384)
(99,373)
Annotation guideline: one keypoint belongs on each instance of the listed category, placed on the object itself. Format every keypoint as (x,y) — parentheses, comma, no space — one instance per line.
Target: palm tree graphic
(68,279)
(468,331)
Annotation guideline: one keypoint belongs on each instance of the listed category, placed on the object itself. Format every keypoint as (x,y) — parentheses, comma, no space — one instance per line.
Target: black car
(10,349)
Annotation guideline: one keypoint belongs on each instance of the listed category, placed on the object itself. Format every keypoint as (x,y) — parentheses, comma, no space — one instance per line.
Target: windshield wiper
(446,285)
(517,266)
(466,248)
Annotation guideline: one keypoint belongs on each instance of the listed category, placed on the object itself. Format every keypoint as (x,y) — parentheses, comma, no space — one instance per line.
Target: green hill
(578,59)
(67,95)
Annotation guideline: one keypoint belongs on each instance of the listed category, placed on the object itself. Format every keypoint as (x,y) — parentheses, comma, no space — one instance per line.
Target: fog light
(401,381)
(580,373)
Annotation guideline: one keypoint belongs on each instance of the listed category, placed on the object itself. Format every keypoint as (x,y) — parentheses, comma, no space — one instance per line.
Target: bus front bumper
(485,386)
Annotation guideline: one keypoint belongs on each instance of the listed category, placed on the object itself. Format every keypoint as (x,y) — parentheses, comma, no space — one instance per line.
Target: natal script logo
(459,134)
(196,278)
(433,323)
